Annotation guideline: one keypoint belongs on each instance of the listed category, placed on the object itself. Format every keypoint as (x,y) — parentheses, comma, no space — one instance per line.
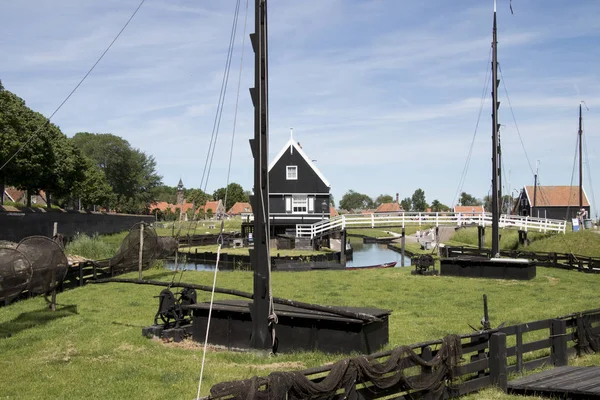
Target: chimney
(397,198)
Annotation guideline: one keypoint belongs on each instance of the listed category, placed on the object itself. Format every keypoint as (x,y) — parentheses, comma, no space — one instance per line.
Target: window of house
(292,172)
(299,204)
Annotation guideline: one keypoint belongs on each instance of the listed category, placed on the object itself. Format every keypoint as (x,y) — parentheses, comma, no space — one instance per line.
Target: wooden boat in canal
(386,265)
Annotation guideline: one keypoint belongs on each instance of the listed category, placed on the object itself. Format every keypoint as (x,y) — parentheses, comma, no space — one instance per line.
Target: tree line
(353,200)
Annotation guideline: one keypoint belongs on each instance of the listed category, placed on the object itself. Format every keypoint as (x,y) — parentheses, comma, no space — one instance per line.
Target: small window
(292,172)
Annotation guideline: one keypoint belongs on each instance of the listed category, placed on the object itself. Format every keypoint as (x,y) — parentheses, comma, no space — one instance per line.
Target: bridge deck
(561,382)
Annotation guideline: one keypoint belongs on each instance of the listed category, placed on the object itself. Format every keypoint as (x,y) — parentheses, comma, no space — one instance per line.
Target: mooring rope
(220,239)
(463,175)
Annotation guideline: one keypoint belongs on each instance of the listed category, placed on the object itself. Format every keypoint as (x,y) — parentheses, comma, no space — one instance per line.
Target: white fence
(427,219)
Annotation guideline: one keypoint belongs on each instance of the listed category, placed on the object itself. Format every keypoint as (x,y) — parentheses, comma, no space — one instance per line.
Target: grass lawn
(198,227)
(98,351)
(244,251)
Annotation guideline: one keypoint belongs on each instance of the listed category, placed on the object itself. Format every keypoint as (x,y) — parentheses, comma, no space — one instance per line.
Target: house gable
(308,177)
(556,196)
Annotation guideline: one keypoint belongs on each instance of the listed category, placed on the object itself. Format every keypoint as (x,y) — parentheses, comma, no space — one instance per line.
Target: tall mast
(259,256)
(580,132)
(495,145)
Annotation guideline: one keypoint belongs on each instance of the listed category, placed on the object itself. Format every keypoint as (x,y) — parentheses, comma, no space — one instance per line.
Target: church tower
(180,193)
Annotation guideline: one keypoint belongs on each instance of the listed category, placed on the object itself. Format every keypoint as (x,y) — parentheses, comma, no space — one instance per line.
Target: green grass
(93,248)
(382,232)
(98,352)
(585,243)
(244,251)
(198,227)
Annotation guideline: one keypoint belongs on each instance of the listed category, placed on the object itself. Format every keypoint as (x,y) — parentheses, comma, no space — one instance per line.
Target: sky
(385,95)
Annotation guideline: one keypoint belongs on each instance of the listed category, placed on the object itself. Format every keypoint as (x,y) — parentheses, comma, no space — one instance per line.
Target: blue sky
(384,94)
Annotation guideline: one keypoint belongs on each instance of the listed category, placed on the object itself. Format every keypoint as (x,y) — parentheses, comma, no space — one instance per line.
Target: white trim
(9,197)
(288,204)
(293,144)
(288,168)
(290,194)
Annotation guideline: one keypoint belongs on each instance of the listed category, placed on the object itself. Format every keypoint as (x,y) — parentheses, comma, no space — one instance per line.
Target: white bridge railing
(427,219)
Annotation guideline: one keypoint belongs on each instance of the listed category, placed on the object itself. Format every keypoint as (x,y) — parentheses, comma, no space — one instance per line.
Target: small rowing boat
(386,265)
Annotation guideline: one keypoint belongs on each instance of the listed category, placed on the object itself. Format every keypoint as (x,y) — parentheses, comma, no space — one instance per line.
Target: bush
(93,247)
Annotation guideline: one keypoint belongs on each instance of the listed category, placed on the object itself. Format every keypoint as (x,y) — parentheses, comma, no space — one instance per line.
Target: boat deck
(561,382)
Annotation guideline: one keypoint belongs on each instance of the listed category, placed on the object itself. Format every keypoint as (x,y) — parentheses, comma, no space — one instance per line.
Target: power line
(74,89)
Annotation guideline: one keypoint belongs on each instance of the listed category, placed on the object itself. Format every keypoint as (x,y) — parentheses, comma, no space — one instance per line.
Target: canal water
(364,254)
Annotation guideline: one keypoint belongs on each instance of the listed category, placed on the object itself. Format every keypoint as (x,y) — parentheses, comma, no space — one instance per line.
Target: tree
(165,193)
(235,193)
(436,206)
(197,196)
(418,201)
(383,198)
(504,207)
(130,172)
(468,200)
(331,200)
(406,204)
(94,189)
(355,201)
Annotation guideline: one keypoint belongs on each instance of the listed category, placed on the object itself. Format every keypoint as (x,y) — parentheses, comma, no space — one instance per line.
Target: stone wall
(16,224)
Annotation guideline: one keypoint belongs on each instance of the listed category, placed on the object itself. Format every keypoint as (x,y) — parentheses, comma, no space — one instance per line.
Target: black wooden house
(298,191)
(554,202)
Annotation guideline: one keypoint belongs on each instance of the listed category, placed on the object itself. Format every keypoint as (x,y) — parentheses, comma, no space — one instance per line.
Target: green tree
(209,213)
(355,201)
(406,204)
(436,206)
(418,201)
(331,200)
(197,196)
(235,193)
(130,172)
(469,200)
(166,193)
(504,207)
(383,198)
(94,189)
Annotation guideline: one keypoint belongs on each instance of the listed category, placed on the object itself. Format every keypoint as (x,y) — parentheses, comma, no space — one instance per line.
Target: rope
(220,238)
(463,176)
(217,122)
(514,119)
(31,136)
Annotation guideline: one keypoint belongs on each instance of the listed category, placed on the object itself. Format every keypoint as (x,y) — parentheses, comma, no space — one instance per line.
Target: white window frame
(291,176)
(311,204)
(299,204)
(288,204)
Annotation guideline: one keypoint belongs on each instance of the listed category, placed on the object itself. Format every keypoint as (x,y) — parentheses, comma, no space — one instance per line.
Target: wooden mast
(495,146)
(580,133)
(259,256)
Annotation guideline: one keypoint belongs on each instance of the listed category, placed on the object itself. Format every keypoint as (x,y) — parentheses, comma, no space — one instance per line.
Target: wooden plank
(540,376)
(471,367)
(473,385)
(536,325)
(537,345)
(537,363)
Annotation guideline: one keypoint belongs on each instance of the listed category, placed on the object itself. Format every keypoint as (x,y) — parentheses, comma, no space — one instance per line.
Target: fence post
(558,339)
(498,369)
(141,249)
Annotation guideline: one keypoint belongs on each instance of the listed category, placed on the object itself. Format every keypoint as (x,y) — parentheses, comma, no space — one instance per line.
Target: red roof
(211,205)
(556,196)
(239,208)
(163,205)
(367,211)
(388,208)
(469,209)
(14,194)
(333,212)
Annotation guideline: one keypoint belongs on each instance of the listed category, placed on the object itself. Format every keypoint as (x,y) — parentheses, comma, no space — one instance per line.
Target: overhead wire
(47,122)
(220,239)
(463,176)
(222,94)
(515,119)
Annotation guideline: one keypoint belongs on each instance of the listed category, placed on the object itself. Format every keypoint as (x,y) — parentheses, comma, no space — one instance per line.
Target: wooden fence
(544,259)
(488,357)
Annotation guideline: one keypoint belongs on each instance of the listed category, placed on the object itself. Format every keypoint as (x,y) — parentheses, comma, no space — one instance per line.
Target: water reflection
(365,254)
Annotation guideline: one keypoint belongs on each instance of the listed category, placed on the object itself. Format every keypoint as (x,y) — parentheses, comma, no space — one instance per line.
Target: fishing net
(167,246)
(586,341)
(347,374)
(6,243)
(48,262)
(15,272)
(127,258)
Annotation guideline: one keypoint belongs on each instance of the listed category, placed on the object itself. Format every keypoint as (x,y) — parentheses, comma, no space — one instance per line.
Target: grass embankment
(585,243)
(202,227)
(244,251)
(98,351)
(382,232)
